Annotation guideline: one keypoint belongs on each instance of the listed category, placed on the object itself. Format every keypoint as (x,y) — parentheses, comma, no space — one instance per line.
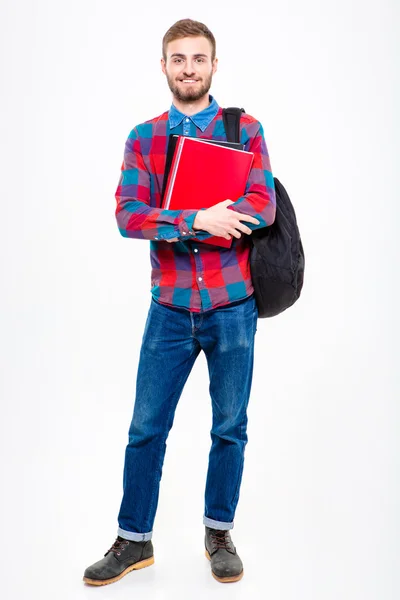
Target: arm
(258,202)
(259,199)
(135,217)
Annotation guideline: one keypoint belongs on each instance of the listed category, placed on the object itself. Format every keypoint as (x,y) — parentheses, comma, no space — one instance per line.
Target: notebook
(202,174)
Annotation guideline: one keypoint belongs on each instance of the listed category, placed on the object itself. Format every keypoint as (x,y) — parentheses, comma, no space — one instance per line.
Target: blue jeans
(172,340)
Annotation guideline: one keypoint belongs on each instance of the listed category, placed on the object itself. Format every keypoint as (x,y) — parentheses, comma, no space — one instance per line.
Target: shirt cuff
(186,224)
(201,234)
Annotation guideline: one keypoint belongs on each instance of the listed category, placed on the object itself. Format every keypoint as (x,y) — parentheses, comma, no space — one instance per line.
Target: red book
(203,174)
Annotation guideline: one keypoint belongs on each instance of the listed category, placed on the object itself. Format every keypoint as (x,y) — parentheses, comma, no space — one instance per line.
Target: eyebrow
(184,55)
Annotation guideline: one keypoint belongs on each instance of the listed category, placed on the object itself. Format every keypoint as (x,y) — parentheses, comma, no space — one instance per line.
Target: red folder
(203,174)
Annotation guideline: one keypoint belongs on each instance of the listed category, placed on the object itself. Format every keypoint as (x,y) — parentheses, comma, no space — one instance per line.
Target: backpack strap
(231,118)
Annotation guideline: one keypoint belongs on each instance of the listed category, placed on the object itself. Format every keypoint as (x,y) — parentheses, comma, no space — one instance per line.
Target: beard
(190,94)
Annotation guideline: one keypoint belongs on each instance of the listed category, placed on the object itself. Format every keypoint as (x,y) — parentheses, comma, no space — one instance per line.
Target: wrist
(198,221)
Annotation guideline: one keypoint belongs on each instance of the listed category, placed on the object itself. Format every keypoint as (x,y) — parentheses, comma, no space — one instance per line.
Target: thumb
(227,202)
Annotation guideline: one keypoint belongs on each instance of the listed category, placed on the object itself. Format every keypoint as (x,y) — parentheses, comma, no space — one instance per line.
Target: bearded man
(202,299)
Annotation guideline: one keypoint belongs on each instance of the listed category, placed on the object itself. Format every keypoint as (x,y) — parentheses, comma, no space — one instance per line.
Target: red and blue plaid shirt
(188,273)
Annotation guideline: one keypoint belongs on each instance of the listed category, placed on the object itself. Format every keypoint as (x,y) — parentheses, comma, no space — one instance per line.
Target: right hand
(219,220)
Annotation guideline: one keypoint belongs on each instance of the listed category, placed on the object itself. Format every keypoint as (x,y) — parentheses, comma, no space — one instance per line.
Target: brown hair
(188,28)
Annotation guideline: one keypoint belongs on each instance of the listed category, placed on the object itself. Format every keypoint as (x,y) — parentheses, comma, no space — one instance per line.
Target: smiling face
(189,68)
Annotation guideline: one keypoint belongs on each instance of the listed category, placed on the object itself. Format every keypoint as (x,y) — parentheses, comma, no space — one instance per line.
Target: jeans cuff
(133,536)
(217,524)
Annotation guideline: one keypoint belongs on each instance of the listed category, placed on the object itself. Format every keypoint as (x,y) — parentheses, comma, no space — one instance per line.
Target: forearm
(258,201)
(259,204)
(135,217)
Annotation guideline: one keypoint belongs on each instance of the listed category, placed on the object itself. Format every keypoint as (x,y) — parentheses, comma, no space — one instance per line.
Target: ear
(163,66)
(215,66)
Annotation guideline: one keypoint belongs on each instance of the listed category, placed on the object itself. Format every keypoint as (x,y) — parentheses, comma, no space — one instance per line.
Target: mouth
(188,81)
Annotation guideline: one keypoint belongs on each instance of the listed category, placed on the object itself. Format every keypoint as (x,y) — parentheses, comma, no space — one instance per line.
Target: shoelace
(117,546)
(221,539)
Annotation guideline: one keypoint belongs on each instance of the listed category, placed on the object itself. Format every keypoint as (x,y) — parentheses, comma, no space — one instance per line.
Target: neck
(191,108)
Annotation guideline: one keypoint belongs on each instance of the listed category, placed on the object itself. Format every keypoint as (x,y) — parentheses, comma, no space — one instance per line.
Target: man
(202,299)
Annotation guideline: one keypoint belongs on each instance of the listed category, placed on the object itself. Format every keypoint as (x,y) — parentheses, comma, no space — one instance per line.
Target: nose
(190,70)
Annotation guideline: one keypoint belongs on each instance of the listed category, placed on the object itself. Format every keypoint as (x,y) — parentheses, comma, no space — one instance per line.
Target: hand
(219,220)
(173,240)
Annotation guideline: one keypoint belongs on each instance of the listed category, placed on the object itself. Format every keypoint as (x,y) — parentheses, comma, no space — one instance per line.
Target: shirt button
(187,120)
(195,249)
(156,238)
(184,232)
(200,279)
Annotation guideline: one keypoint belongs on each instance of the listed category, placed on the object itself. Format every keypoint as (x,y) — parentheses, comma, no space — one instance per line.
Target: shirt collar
(201,119)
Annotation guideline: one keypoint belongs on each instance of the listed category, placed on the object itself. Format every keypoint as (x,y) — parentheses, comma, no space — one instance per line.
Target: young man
(202,299)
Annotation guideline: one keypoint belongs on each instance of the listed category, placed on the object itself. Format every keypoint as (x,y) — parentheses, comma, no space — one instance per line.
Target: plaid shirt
(188,273)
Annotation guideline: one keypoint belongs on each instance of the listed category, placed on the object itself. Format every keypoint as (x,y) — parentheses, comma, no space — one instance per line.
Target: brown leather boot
(226,565)
(122,557)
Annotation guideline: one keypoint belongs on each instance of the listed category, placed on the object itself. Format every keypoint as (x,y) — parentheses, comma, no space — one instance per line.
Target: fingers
(244,228)
(248,218)
(240,216)
(235,233)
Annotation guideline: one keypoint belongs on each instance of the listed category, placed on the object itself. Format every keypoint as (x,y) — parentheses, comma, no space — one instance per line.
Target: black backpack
(277,256)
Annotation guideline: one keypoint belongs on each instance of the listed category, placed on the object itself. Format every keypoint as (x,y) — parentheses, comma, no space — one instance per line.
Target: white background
(318,515)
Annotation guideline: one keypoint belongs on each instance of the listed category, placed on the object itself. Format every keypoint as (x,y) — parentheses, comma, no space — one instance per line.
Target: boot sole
(139,565)
(224,579)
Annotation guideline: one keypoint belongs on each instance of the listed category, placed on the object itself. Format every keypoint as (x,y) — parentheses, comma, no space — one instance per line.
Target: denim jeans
(172,340)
